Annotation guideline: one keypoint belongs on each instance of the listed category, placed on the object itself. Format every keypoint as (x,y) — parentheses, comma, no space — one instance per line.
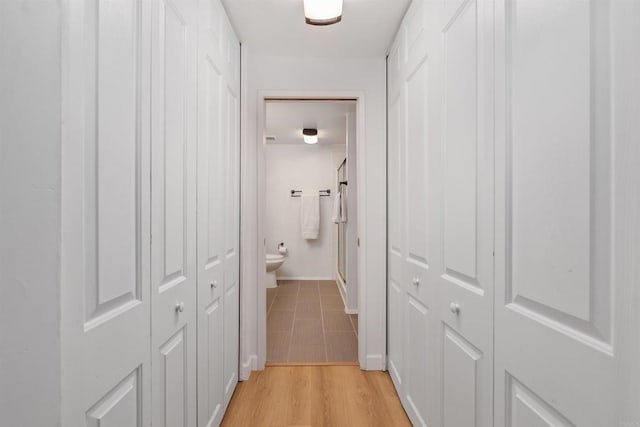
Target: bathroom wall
(308,168)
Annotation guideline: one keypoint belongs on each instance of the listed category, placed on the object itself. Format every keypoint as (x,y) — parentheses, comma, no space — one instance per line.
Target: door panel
(395,323)
(395,281)
(417,358)
(211,207)
(416,212)
(105,214)
(173,212)
(173,382)
(447,214)
(555,277)
(466,283)
(520,233)
(120,407)
(211,376)
(232,263)
(527,409)
(461,379)
(460,142)
(554,305)
(218,212)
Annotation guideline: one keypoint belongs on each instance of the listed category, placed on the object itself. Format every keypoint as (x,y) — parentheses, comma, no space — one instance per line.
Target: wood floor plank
(316,396)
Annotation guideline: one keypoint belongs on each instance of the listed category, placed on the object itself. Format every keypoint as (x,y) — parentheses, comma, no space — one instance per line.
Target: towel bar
(298,193)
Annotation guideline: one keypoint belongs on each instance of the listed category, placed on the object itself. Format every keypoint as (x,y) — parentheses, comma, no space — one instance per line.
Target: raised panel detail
(414,31)
(558,183)
(231,302)
(213,24)
(395,335)
(175,146)
(214,353)
(460,380)
(417,355)
(174,359)
(111,150)
(550,182)
(215,153)
(417,166)
(395,189)
(460,146)
(528,410)
(120,407)
(232,203)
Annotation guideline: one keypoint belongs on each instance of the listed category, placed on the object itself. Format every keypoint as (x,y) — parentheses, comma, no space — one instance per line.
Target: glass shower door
(342,229)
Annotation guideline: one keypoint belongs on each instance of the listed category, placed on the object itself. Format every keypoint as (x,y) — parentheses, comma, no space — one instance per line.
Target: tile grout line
(293,323)
(353,326)
(324,336)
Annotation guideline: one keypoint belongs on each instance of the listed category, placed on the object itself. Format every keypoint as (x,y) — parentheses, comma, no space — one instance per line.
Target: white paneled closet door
(418,214)
(396,183)
(463,123)
(218,171)
(440,287)
(231,135)
(210,216)
(105,215)
(566,154)
(173,212)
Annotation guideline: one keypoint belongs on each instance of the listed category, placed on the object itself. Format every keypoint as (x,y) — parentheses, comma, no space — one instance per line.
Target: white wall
(364,75)
(29,213)
(308,168)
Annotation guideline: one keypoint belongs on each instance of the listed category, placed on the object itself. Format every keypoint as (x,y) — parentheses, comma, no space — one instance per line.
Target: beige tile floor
(306,323)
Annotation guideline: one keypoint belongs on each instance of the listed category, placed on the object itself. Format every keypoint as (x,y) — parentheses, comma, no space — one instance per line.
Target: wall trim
(342,287)
(375,362)
(304,278)
(251,364)
(359,97)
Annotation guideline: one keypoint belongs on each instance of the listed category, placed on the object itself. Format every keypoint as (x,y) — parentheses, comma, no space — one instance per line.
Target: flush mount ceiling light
(310,135)
(322,12)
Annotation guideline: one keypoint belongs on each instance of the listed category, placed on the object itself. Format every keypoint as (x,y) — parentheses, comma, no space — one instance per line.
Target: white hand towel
(339,209)
(310,215)
(337,202)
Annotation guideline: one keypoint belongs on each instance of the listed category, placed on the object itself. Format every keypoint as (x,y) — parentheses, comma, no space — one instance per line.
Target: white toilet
(273,262)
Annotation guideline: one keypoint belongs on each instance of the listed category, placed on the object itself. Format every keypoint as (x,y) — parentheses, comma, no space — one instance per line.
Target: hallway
(316,396)
(489,216)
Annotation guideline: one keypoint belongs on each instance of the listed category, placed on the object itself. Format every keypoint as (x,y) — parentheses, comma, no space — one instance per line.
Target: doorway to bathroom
(310,231)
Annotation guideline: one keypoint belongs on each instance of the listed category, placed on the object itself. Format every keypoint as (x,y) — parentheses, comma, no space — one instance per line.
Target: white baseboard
(304,278)
(251,364)
(342,288)
(375,362)
(343,293)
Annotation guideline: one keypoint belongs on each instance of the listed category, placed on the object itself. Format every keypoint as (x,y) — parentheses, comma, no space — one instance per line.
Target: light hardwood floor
(316,396)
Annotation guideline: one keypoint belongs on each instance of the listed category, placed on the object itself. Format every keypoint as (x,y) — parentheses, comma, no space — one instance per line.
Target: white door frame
(263,96)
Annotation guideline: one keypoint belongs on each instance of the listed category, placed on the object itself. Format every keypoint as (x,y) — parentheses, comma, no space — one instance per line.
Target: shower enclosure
(342,229)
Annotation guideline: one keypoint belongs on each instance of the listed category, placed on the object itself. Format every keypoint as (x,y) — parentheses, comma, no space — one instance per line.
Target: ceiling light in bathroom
(310,135)
(322,12)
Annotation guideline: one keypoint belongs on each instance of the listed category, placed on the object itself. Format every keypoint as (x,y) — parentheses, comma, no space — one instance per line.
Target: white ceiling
(286,119)
(277,27)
